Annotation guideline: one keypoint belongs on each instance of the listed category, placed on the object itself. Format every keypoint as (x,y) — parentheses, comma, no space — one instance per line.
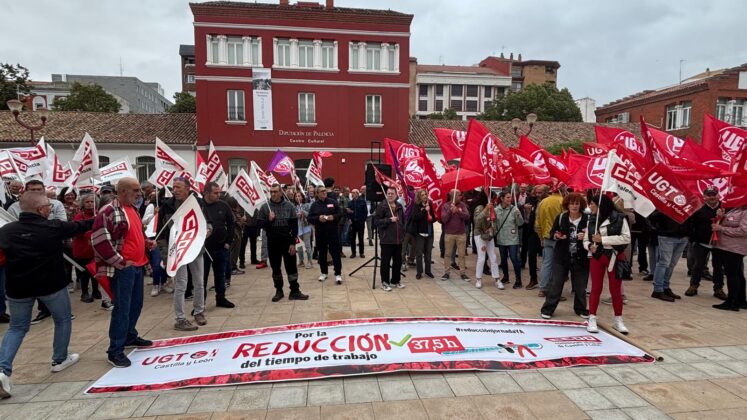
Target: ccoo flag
(187,235)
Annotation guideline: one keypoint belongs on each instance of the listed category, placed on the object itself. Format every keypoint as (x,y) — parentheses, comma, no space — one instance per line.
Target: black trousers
(733,265)
(329,241)
(356,230)
(220,257)
(530,250)
(84,277)
(250,237)
(579,275)
(700,264)
(278,254)
(641,239)
(423,250)
(391,261)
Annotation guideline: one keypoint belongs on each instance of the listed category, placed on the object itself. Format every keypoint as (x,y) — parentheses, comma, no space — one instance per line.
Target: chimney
(284,2)
(511,56)
(330,4)
(519,56)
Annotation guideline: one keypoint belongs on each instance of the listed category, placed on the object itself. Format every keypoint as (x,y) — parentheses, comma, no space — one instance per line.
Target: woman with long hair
(731,245)
(304,227)
(484,230)
(82,250)
(608,235)
(420,226)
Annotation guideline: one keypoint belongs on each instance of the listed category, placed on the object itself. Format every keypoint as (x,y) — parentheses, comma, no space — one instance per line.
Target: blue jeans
(2,290)
(159,273)
(512,252)
(548,250)
(127,287)
(668,254)
(20,320)
(218,263)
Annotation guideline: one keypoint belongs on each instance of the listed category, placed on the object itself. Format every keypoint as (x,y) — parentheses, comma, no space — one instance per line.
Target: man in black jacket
(35,269)
(389,219)
(219,242)
(279,219)
(324,215)
(672,242)
(357,213)
(700,240)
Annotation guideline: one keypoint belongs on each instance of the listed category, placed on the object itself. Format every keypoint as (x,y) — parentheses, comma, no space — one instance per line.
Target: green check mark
(401,343)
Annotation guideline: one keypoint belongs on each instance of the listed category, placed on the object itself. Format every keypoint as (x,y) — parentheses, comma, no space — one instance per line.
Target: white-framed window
(353,65)
(145,166)
(391,62)
(236,105)
(516,86)
(678,115)
(234,167)
(235,48)
(305,54)
(190,78)
(373,56)
(214,49)
(255,50)
(103,161)
(732,111)
(373,109)
(672,117)
(283,57)
(306,108)
(39,102)
(328,55)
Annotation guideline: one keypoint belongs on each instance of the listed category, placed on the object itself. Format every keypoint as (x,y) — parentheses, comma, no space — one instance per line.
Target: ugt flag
(187,236)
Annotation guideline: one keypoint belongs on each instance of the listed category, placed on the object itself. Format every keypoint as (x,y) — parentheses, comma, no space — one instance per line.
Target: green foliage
(447,114)
(549,103)
(87,98)
(557,149)
(184,102)
(13,80)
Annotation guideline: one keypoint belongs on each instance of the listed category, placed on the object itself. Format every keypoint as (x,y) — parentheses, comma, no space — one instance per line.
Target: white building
(587,107)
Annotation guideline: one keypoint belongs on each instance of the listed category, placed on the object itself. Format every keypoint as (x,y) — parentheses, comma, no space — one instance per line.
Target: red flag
(588,172)
(402,150)
(611,136)
(484,152)
(451,142)
(528,172)
(723,139)
(596,149)
(670,194)
(542,158)
(388,182)
(102,280)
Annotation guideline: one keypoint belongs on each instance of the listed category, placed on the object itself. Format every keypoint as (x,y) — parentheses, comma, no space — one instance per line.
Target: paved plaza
(703,375)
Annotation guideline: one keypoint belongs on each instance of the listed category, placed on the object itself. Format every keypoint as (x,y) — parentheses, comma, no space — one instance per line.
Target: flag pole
(456,182)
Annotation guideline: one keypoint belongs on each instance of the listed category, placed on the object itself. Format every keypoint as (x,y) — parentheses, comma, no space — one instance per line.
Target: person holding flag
(324,215)
(120,252)
(389,218)
(453,217)
(280,221)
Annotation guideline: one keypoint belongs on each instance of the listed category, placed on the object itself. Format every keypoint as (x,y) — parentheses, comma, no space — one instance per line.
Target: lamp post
(515,123)
(16,106)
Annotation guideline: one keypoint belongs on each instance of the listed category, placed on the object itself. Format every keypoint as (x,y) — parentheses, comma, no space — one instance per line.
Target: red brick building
(679,109)
(339,81)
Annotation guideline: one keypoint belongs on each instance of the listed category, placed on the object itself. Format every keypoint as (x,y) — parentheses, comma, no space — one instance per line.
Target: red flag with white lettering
(588,171)
(595,149)
(526,171)
(670,194)
(723,139)
(451,142)
(486,153)
(542,158)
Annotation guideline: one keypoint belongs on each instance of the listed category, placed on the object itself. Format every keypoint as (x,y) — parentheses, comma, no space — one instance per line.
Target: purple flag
(281,164)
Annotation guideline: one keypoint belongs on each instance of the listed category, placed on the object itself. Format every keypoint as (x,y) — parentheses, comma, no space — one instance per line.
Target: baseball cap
(711,190)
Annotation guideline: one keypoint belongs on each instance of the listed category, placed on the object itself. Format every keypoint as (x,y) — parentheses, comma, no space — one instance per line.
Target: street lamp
(531,119)
(16,106)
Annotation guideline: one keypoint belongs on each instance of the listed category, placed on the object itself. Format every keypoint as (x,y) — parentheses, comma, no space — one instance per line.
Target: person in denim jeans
(508,220)
(4,317)
(672,242)
(33,249)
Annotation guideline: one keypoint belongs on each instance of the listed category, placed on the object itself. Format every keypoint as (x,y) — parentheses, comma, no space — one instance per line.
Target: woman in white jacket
(605,246)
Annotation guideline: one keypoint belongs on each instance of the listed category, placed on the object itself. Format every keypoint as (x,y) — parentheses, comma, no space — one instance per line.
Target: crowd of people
(66,242)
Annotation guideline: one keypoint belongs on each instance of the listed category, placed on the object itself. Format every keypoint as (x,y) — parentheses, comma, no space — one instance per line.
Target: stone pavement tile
(451,408)
(361,391)
(532,381)
(118,407)
(685,371)
(144,405)
(209,401)
(329,394)
(622,397)
(23,393)
(60,391)
(645,413)
(728,414)
(688,396)
(465,383)
(594,377)
(250,398)
(625,374)
(31,373)
(348,412)
(498,382)
(554,405)
(615,414)
(682,355)
(507,406)
(84,370)
(739,366)
(710,353)
(588,399)
(435,387)
(76,409)
(400,410)
(737,386)
(196,416)
(563,378)
(33,410)
(303,413)
(735,352)
(714,370)
(240,415)
(655,373)
(287,397)
(172,403)
(288,384)
(397,388)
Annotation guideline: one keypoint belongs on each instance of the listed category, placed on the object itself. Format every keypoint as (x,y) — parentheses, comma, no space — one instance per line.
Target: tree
(447,114)
(184,102)
(549,103)
(87,98)
(13,80)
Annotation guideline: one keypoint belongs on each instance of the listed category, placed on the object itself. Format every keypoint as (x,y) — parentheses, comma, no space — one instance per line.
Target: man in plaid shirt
(120,253)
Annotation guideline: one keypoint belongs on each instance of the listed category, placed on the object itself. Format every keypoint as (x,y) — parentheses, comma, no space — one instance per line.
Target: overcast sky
(606,49)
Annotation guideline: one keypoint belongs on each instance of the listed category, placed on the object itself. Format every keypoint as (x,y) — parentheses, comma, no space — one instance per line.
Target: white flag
(35,158)
(9,168)
(6,217)
(622,179)
(58,173)
(266,179)
(116,170)
(187,235)
(167,158)
(214,171)
(85,162)
(312,175)
(247,191)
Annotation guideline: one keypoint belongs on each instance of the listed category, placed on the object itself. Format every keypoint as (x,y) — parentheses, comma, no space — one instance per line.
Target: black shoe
(254,262)
(297,296)
(86,298)
(96,295)
(278,295)
(430,275)
(188,297)
(418,276)
(455,266)
(671,294)
(241,265)
(649,277)
(505,280)
(662,296)
(352,255)
(139,342)
(224,303)
(342,255)
(41,316)
(726,307)
(518,285)
(119,360)
(362,256)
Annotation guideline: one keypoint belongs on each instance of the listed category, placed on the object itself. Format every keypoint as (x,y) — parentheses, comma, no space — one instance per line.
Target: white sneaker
(478,283)
(591,324)
(338,279)
(72,359)
(308,265)
(399,286)
(5,386)
(386,287)
(155,290)
(499,284)
(617,323)
(545,316)
(166,288)
(322,277)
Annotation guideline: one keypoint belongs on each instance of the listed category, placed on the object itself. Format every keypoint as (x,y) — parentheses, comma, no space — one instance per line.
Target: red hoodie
(82,247)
